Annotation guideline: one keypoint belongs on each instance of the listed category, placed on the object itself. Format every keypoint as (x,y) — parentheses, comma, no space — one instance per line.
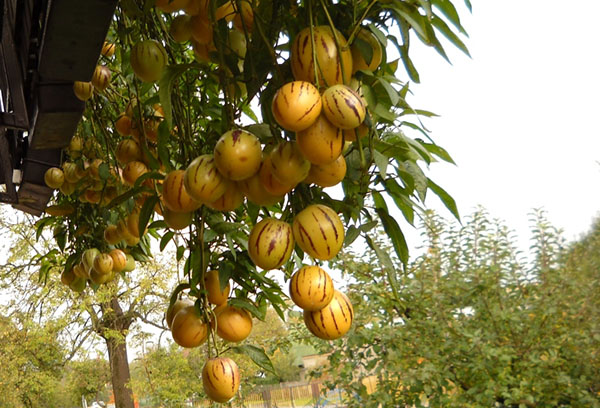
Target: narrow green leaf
(414,19)
(146,212)
(401,198)
(256,354)
(178,289)
(445,197)
(379,201)
(164,135)
(449,11)
(391,92)
(164,241)
(393,231)
(165,87)
(386,263)
(449,34)
(351,234)
(438,151)
(381,161)
(247,305)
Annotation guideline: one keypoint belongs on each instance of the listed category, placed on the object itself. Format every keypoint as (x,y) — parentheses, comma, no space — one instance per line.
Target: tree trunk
(119,372)
(114,319)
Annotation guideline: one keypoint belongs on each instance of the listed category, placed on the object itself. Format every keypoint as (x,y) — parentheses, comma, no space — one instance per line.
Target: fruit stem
(312,44)
(338,46)
(360,20)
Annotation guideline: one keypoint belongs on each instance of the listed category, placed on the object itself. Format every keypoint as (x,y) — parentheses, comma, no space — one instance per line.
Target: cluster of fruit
(220,375)
(98,268)
(318,107)
(319,232)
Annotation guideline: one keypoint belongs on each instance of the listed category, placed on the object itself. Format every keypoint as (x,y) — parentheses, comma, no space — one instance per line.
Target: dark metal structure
(45,46)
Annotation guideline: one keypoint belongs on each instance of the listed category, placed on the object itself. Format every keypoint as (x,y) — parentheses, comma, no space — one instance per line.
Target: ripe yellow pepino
(344,107)
(296,105)
(333,321)
(220,378)
(270,243)
(202,180)
(311,288)
(319,231)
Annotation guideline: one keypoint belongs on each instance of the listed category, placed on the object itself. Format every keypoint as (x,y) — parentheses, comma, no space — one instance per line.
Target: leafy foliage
(475,324)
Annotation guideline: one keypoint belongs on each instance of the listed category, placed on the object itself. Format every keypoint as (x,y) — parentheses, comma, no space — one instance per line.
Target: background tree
(474,323)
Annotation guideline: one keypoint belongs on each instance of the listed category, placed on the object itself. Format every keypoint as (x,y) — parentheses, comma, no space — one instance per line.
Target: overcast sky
(521,117)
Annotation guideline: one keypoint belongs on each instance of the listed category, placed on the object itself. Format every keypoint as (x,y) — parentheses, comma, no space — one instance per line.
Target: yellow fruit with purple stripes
(188,329)
(238,154)
(202,180)
(132,171)
(327,175)
(233,324)
(230,200)
(128,150)
(311,288)
(333,67)
(175,196)
(83,90)
(319,231)
(254,190)
(269,181)
(333,321)
(270,243)
(344,107)
(173,309)
(288,163)
(220,378)
(322,142)
(148,60)
(177,220)
(366,50)
(101,78)
(296,105)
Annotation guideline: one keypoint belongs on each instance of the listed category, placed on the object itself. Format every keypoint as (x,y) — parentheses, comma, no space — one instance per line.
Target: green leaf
(401,199)
(256,354)
(412,17)
(449,34)
(146,212)
(365,49)
(165,87)
(381,161)
(164,135)
(445,197)
(449,11)
(165,239)
(438,151)
(40,225)
(247,305)
(178,289)
(408,65)
(387,264)
(391,92)
(392,229)
(351,234)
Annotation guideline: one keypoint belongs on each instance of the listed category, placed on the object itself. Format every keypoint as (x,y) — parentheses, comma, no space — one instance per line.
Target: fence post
(315,392)
(292,396)
(267,398)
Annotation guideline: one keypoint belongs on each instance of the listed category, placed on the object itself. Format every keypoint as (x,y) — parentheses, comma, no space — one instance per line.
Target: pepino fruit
(181,28)
(108,49)
(177,220)
(311,288)
(112,235)
(128,150)
(83,90)
(220,378)
(101,78)
(188,329)
(288,163)
(173,309)
(333,321)
(119,259)
(333,67)
(231,199)
(233,324)
(54,177)
(270,243)
(132,171)
(318,231)
(202,181)
(327,175)
(344,107)
(296,105)
(254,190)
(238,154)
(322,142)
(366,50)
(175,196)
(267,178)
(148,60)
(216,295)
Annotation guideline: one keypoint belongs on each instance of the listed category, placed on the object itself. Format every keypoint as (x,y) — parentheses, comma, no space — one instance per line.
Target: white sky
(521,117)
